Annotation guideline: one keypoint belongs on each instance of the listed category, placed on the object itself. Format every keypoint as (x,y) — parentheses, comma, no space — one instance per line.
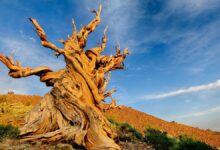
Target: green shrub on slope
(159,140)
(8,131)
(125,132)
(187,143)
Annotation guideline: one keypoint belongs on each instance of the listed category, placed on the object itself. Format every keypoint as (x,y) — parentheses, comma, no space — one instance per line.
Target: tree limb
(43,38)
(74,35)
(100,48)
(106,82)
(113,62)
(16,71)
(93,54)
(86,30)
(109,93)
(49,77)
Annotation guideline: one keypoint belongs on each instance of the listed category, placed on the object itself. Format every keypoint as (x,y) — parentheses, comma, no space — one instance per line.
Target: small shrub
(27,103)
(187,143)
(112,120)
(209,130)
(159,140)
(11,92)
(3,98)
(8,131)
(127,133)
(152,126)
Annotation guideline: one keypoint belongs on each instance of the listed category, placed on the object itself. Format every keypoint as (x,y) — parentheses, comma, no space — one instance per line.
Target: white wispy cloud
(193,6)
(29,54)
(200,113)
(120,17)
(210,86)
(194,45)
(6,83)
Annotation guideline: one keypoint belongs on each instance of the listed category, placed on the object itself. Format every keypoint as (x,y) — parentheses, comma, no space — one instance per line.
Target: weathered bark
(71,111)
(112,105)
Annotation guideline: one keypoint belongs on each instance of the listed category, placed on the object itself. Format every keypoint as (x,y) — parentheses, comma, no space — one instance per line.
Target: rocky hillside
(141,121)
(13,108)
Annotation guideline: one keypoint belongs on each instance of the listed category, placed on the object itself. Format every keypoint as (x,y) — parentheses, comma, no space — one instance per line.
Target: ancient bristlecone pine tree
(71,110)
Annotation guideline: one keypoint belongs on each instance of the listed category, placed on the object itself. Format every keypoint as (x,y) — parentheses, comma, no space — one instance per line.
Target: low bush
(8,131)
(112,120)
(159,140)
(3,98)
(187,143)
(125,132)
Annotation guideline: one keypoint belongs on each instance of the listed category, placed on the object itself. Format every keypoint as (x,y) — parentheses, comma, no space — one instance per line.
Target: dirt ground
(13,108)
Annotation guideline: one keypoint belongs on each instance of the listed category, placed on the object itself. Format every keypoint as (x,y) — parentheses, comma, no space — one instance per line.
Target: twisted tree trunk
(71,110)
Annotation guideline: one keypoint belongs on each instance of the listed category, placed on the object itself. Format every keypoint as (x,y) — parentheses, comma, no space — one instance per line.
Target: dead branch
(86,30)
(43,38)
(16,71)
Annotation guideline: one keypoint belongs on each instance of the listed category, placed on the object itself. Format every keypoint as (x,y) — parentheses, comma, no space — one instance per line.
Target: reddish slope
(141,120)
(25,99)
(136,118)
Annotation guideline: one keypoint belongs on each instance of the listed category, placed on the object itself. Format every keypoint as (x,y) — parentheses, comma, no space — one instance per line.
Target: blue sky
(173,69)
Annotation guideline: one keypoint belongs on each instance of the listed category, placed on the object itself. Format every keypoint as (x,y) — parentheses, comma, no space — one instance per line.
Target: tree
(71,110)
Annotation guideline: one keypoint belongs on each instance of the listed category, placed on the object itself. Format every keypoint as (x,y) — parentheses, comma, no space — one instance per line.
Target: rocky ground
(13,108)
(135,146)
(13,145)
(140,121)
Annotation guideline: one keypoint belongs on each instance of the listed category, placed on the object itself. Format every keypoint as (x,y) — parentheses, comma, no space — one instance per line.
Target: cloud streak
(194,6)
(201,113)
(31,55)
(210,86)
(121,18)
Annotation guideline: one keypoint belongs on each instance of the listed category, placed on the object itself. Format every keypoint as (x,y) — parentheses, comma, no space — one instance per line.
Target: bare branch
(94,53)
(117,61)
(72,41)
(74,29)
(49,77)
(86,30)
(109,93)
(62,41)
(11,58)
(100,48)
(113,62)
(104,40)
(8,63)
(43,38)
(106,81)
(16,71)
(118,50)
